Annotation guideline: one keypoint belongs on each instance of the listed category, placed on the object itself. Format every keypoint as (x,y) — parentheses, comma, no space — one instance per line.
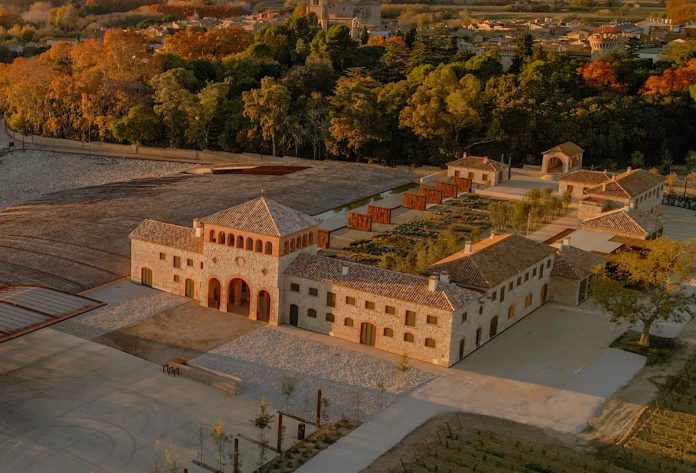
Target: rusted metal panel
(379,214)
(414,201)
(323,238)
(448,189)
(432,195)
(463,184)
(359,222)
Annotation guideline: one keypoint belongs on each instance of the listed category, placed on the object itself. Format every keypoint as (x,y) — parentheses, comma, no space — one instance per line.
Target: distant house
(572,274)
(626,222)
(637,189)
(561,159)
(480,169)
(578,182)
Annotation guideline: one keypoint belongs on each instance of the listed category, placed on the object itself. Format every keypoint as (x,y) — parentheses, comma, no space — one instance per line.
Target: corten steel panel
(463,184)
(379,214)
(323,238)
(359,222)
(432,195)
(448,189)
(414,201)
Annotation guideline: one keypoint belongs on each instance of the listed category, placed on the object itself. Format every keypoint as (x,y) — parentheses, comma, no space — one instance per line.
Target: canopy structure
(24,309)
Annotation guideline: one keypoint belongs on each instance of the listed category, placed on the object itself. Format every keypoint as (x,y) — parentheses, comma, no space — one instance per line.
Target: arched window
(230,240)
(311,238)
(250,244)
(512,311)
(388,332)
(259,246)
(408,337)
(212,236)
(304,240)
(528,300)
(430,342)
(493,329)
(286,248)
(221,238)
(348,322)
(240,241)
(269,248)
(292,245)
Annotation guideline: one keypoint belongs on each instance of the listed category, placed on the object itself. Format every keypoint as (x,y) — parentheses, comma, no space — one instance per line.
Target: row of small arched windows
(297,243)
(240,242)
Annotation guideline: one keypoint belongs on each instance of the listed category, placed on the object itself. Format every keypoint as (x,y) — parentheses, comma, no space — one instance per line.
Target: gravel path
(127,303)
(357,385)
(26,176)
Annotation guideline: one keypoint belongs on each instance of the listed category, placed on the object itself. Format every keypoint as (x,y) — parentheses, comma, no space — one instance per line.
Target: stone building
(580,181)
(637,189)
(354,13)
(561,159)
(572,274)
(259,259)
(626,222)
(480,169)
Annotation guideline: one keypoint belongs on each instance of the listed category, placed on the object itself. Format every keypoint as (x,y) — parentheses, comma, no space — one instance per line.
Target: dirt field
(173,333)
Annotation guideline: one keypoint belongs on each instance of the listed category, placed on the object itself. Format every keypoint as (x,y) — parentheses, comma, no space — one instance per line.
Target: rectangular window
(350,300)
(502,294)
(313,291)
(311,313)
(526,277)
(370,305)
(541,271)
(511,285)
(519,280)
(389,309)
(189,262)
(465,315)
(163,256)
(494,296)
(294,287)
(534,272)
(410,318)
(176,278)
(177,261)
(484,177)
(432,320)
(548,264)
(331,299)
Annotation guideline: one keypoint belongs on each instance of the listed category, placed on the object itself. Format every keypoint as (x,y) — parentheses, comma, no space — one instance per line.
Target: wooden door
(493,330)
(189,289)
(462,347)
(294,315)
(367,334)
(214,294)
(146,277)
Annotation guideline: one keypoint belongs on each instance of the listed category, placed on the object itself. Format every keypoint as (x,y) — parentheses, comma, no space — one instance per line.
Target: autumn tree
(601,74)
(211,44)
(671,80)
(267,106)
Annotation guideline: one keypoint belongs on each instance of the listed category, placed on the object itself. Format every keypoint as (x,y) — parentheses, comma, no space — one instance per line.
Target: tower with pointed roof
(246,248)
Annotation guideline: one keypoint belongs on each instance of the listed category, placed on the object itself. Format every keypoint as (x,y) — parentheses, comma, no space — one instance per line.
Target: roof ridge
(273,221)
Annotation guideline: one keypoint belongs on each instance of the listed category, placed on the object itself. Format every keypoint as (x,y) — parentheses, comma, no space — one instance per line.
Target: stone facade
(480,170)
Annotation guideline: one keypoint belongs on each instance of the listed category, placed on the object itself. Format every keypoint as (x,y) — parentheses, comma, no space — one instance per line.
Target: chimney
(485,159)
(565,242)
(445,277)
(344,270)
(432,282)
(464,156)
(628,170)
(198,227)
(604,186)
(467,246)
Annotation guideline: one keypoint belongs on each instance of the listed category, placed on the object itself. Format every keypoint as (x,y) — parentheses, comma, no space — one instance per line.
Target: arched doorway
(367,334)
(263,307)
(146,277)
(479,336)
(493,330)
(554,165)
(238,297)
(214,294)
(294,314)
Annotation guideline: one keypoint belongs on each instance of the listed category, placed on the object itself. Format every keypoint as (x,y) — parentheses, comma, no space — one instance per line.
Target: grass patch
(661,349)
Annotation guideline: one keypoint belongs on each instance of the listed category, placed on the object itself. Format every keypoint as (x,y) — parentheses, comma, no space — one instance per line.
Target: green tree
(567,198)
(637,160)
(173,97)
(268,106)
(141,125)
(649,286)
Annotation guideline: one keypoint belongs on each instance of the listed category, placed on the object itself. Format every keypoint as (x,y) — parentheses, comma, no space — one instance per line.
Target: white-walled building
(480,169)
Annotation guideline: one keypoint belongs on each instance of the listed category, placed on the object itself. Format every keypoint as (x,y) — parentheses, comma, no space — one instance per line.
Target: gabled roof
(629,184)
(382,282)
(586,176)
(483,163)
(263,216)
(624,221)
(574,263)
(492,261)
(568,148)
(168,234)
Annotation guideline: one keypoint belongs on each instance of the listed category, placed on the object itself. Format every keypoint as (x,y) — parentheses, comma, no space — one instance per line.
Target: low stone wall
(129,151)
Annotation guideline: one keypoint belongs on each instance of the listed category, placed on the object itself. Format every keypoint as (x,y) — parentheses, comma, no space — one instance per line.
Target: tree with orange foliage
(671,80)
(601,75)
(212,44)
(681,11)
(382,41)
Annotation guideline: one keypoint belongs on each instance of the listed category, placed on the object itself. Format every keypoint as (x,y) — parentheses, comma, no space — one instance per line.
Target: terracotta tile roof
(568,148)
(492,261)
(381,282)
(574,263)
(628,185)
(477,162)
(623,221)
(263,216)
(168,234)
(586,176)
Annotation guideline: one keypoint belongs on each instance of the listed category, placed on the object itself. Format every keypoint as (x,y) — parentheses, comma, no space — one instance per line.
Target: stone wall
(147,255)
(564,290)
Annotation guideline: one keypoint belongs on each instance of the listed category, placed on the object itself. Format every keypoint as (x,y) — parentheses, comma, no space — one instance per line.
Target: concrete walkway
(552,370)
(569,220)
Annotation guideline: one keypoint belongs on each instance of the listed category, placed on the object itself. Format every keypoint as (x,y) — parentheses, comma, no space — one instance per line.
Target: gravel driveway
(28,175)
(357,385)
